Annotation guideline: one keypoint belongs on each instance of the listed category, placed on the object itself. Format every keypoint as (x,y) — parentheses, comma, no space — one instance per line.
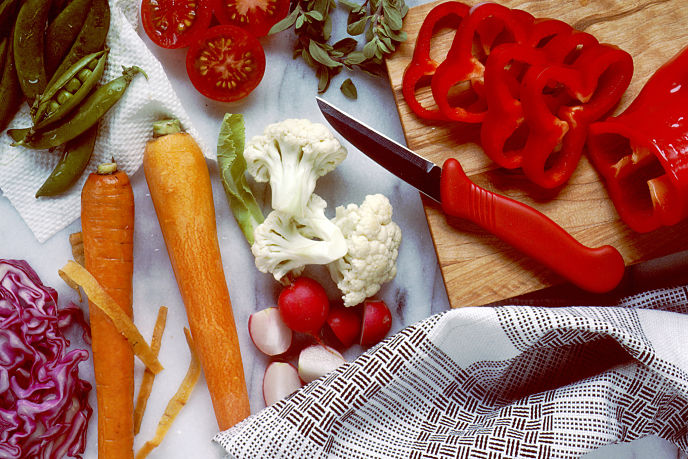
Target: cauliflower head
(284,243)
(292,155)
(372,240)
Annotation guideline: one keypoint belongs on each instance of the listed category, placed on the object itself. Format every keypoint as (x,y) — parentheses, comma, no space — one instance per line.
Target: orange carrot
(107,221)
(180,188)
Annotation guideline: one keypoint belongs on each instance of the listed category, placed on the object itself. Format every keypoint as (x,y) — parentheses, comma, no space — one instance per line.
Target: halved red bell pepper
(422,66)
(489,24)
(642,154)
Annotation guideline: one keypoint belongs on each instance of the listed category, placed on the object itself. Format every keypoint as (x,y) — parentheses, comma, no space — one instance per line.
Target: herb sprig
(378,21)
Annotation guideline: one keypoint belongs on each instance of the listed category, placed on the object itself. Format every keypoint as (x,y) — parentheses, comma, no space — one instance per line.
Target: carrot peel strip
(148,376)
(177,402)
(75,273)
(76,240)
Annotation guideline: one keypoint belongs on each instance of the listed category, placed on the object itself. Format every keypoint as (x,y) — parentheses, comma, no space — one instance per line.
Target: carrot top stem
(107,168)
(165,127)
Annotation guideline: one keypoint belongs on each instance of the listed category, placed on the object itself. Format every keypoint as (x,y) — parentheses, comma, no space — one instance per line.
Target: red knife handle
(530,231)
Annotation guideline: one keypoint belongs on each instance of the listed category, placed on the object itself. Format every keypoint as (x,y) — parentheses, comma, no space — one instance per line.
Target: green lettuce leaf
(230,160)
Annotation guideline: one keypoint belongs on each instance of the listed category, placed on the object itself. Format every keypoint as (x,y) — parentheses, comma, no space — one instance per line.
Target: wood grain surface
(477,267)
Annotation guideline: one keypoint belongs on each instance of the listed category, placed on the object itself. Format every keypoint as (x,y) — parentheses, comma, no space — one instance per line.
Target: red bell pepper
(422,66)
(560,102)
(642,154)
(490,25)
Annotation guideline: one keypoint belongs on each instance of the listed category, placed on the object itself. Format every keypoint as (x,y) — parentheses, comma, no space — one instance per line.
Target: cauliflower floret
(291,155)
(284,243)
(373,245)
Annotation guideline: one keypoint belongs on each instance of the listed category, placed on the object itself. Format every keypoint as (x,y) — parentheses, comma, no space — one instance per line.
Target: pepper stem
(107,168)
(165,127)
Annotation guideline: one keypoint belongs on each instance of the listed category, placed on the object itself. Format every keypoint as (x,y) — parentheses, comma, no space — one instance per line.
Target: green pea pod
(74,160)
(91,37)
(45,113)
(28,47)
(11,95)
(62,33)
(86,115)
(8,12)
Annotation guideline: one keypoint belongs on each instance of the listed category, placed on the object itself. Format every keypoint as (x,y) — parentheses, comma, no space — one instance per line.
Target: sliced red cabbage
(44,410)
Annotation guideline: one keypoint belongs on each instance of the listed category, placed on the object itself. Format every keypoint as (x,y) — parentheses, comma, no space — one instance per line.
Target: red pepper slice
(490,25)
(422,66)
(560,102)
(643,153)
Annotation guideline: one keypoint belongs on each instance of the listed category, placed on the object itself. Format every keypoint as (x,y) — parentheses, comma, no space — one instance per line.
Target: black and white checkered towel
(492,382)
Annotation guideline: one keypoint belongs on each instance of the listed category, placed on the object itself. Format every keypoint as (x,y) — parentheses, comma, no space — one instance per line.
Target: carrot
(107,221)
(180,188)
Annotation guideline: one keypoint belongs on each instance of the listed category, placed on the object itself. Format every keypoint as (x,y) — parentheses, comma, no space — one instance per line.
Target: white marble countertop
(288,90)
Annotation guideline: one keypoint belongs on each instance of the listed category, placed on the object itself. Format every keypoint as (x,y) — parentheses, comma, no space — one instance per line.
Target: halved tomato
(175,23)
(225,63)
(256,16)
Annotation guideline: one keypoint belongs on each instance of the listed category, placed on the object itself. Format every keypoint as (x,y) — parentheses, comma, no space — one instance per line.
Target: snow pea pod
(69,89)
(76,155)
(11,95)
(28,47)
(62,33)
(86,115)
(91,37)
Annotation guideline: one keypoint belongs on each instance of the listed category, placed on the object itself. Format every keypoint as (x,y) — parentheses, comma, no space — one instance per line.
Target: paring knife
(525,228)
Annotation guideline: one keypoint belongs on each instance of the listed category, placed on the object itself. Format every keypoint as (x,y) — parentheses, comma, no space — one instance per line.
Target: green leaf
(357,27)
(370,48)
(392,17)
(232,165)
(349,89)
(345,45)
(355,58)
(319,54)
(317,15)
(324,78)
(300,21)
(285,23)
(348,4)
(327,28)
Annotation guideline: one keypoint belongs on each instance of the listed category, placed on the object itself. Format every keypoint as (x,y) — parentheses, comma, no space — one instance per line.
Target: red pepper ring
(504,130)
(422,65)
(461,66)
(559,122)
(642,154)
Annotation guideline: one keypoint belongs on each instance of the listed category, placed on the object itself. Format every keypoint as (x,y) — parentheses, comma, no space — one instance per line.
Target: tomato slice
(256,16)
(226,63)
(175,23)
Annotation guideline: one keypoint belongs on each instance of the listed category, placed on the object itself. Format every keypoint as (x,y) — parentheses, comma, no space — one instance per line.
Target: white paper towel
(123,132)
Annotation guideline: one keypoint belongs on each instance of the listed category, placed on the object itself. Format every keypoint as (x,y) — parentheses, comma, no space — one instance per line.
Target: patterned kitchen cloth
(494,382)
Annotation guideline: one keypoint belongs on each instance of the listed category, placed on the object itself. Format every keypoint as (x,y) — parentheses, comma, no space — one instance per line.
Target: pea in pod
(91,37)
(62,31)
(69,89)
(28,46)
(74,160)
(11,95)
(86,115)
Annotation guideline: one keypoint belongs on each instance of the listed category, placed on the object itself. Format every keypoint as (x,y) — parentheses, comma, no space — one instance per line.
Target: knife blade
(525,228)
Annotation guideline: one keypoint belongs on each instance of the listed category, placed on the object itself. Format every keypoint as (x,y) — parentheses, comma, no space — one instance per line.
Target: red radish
(318,360)
(304,306)
(377,321)
(280,380)
(345,323)
(269,332)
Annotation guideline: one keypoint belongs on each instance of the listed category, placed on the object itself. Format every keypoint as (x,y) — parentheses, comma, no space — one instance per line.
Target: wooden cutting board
(477,267)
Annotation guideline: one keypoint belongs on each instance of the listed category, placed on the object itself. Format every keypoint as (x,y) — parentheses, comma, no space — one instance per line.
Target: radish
(318,360)
(304,306)
(377,321)
(345,323)
(280,380)
(269,332)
